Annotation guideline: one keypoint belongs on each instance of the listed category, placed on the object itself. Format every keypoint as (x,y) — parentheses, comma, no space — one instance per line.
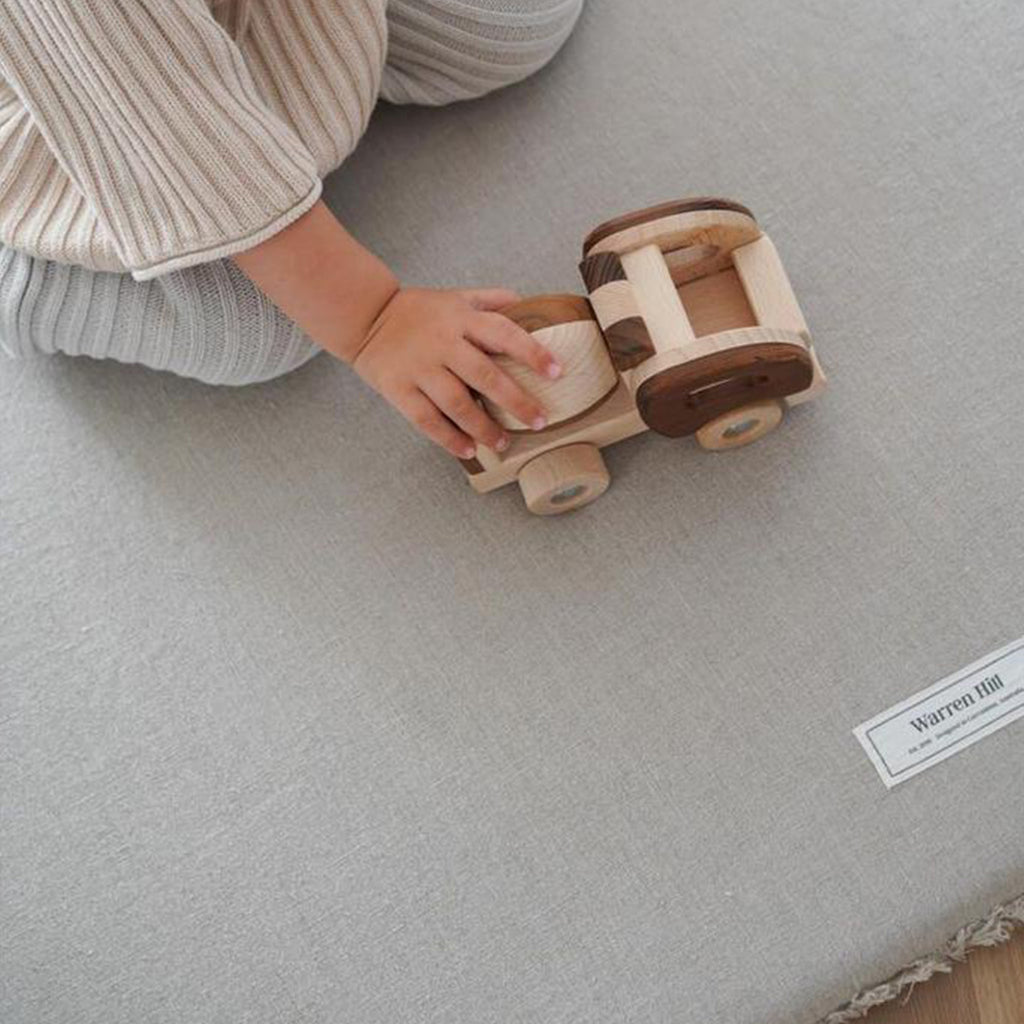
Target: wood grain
(649,213)
(600,269)
(615,306)
(681,399)
(613,420)
(548,310)
(717,303)
(614,301)
(588,374)
(629,343)
(657,299)
(987,989)
(697,243)
(771,297)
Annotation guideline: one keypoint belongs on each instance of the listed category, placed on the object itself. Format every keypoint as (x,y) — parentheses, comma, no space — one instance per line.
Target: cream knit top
(151,135)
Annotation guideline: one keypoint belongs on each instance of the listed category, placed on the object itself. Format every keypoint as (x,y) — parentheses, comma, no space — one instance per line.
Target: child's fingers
(496,333)
(421,412)
(452,397)
(489,298)
(482,374)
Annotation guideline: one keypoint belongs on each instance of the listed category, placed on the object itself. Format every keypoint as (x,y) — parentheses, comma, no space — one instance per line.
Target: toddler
(160,179)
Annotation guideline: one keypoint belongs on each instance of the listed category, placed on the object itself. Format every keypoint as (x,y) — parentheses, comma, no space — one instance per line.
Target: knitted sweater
(151,135)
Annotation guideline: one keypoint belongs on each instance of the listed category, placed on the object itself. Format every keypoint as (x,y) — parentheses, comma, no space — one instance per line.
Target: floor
(987,989)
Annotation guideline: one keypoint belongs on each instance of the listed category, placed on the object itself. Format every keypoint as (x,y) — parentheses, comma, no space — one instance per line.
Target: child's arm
(418,348)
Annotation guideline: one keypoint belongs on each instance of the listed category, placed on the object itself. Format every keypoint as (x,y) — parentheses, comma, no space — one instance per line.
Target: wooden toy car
(690,327)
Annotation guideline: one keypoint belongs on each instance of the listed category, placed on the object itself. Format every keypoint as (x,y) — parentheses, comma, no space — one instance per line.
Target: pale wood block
(717,303)
(657,299)
(601,268)
(613,302)
(768,289)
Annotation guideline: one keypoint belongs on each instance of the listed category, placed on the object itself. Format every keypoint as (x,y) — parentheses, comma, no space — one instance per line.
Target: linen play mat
(294,726)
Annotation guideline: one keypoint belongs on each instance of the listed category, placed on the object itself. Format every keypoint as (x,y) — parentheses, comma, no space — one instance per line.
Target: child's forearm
(322,278)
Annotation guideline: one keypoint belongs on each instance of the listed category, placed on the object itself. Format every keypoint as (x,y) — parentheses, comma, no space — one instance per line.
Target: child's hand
(422,350)
(427,348)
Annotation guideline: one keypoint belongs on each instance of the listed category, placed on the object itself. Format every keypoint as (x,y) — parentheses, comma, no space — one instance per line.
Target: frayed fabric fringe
(989,931)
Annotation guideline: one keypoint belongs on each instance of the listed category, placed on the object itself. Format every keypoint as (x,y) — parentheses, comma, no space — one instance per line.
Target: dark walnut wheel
(681,399)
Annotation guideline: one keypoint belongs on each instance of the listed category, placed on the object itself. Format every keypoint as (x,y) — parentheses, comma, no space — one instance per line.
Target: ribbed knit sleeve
(152,114)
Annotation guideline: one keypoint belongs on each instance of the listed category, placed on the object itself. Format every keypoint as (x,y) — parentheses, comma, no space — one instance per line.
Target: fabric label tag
(944,719)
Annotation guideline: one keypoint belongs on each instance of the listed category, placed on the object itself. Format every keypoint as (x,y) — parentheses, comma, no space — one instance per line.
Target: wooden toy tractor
(690,327)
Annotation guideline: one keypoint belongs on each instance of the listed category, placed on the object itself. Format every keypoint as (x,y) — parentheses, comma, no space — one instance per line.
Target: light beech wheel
(741,426)
(564,479)
(565,325)
(695,236)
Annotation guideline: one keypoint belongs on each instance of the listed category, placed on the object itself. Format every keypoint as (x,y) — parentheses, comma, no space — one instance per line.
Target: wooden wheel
(696,237)
(564,479)
(565,325)
(741,426)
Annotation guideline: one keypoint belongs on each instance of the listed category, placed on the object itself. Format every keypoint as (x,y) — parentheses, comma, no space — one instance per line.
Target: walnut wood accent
(471,466)
(601,268)
(680,399)
(629,342)
(541,311)
(631,220)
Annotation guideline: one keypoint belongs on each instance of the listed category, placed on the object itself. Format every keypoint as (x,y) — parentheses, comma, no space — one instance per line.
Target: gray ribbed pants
(210,322)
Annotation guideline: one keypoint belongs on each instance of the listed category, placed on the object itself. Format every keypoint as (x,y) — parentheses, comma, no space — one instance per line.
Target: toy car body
(690,326)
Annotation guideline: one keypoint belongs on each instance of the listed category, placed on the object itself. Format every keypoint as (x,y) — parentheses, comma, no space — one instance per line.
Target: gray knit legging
(210,322)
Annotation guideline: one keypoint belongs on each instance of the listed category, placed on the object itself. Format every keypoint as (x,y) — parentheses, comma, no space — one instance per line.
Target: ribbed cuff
(225,249)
